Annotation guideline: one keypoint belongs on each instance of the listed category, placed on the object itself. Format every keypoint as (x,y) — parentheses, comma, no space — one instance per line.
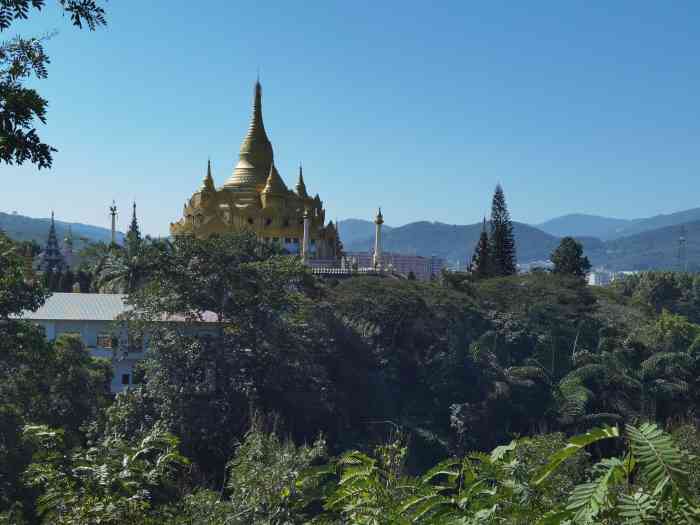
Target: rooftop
(61,306)
(80,307)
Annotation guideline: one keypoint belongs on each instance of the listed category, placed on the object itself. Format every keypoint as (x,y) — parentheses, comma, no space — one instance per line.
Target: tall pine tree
(502,242)
(481,266)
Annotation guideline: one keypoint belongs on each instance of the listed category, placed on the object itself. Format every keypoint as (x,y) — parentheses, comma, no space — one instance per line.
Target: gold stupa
(255,197)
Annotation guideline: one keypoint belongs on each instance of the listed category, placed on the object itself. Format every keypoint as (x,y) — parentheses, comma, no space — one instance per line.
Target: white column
(113,213)
(306,240)
(378,221)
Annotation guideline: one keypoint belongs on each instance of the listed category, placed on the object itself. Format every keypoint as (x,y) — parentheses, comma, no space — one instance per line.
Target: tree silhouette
(481,265)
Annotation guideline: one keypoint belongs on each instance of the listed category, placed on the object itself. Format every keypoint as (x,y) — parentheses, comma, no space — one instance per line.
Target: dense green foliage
(263,359)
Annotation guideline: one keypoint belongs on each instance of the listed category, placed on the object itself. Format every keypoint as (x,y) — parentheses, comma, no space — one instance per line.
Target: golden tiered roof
(256,155)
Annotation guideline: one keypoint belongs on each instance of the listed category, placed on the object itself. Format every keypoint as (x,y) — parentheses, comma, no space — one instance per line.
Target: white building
(100,322)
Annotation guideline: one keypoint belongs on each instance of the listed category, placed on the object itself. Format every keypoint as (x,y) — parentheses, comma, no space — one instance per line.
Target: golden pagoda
(255,197)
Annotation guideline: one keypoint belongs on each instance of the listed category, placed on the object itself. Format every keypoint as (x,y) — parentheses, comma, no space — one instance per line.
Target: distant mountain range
(24,228)
(452,242)
(352,230)
(618,244)
(606,228)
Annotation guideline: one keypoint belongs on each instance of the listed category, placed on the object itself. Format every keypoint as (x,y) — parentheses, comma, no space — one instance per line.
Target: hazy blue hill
(660,221)
(20,227)
(352,230)
(654,249)
(455,242)
(606,228)
(582,225)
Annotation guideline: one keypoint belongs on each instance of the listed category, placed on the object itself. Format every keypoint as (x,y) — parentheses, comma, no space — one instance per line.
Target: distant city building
(99,320)
(600,277)
(604,277)
(533,265)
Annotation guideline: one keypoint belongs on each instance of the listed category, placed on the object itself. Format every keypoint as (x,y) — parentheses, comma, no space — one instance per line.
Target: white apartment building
(100,322)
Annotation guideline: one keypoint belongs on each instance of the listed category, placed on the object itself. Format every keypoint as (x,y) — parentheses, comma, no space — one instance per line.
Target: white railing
(335,270)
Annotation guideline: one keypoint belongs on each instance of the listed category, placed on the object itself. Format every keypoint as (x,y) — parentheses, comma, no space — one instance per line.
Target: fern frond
(659,458)
(590,499)
(637,509)
(450,468)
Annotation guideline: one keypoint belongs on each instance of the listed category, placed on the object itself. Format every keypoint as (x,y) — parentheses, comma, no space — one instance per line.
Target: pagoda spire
(133,236)
(256,153)
(208,182)
(51,258)
(301,187)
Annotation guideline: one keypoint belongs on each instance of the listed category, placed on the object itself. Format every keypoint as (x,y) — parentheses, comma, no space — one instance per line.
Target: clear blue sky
(574,107)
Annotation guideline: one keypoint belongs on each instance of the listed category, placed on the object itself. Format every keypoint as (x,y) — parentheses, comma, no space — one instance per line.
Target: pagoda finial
(301,187)
(257,121)
(208,182)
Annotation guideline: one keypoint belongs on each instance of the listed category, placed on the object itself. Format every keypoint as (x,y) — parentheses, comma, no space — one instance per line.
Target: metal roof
(80,307)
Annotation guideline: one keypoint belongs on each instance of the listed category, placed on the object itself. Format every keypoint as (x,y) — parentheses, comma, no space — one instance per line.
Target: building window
(250,220)
(125,379)
(268,222)
(296,240)
(286,223)
(275,240)
(104,340)
(135,343)
(288,240)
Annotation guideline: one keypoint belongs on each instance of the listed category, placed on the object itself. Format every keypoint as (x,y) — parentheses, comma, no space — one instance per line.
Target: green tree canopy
(568,258)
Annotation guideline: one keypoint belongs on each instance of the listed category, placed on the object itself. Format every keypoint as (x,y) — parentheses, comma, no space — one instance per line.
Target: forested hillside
(23,228)
(321,401)
(456,242)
